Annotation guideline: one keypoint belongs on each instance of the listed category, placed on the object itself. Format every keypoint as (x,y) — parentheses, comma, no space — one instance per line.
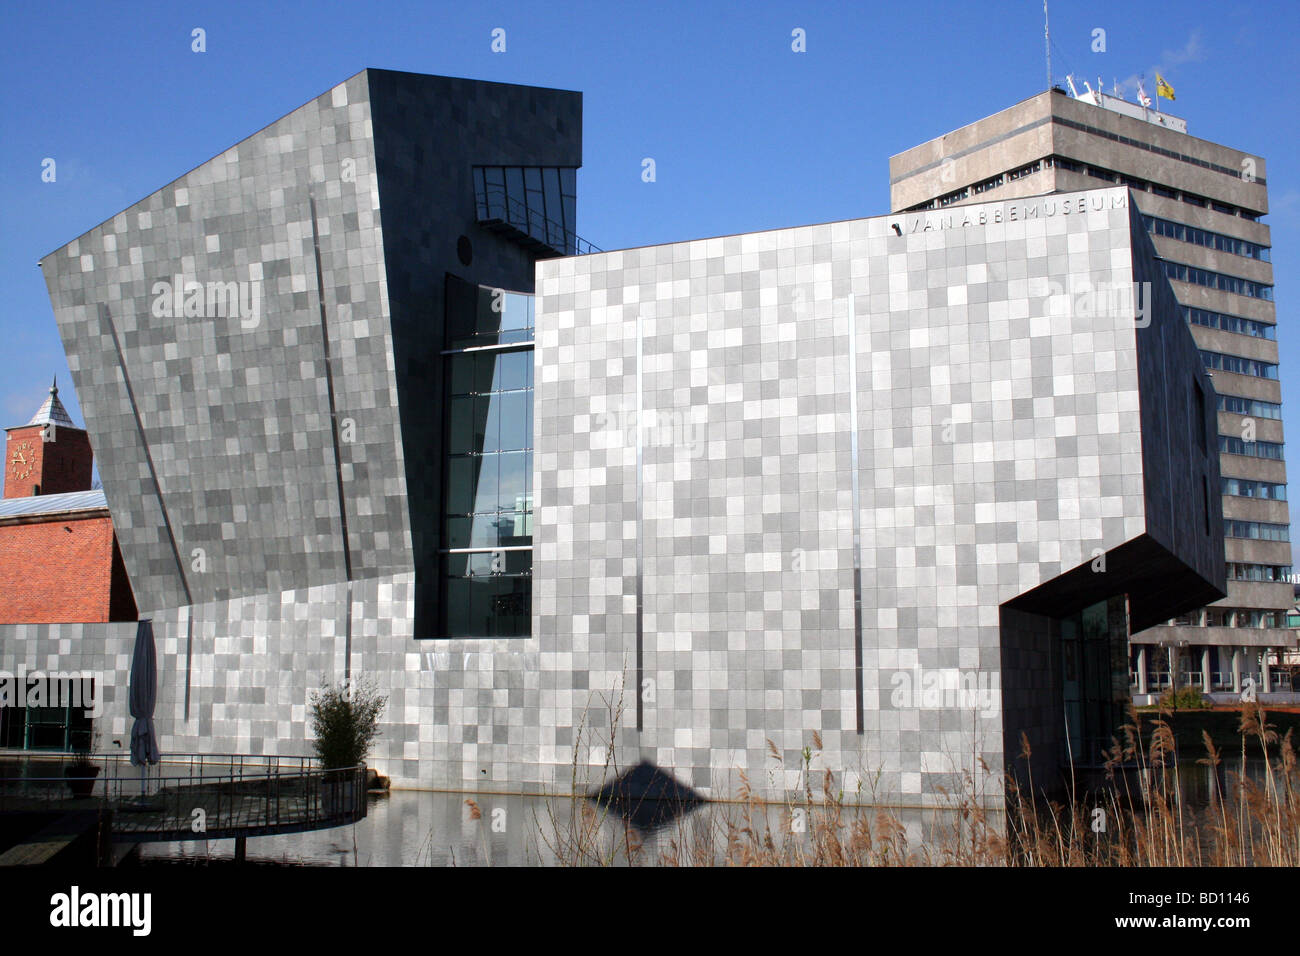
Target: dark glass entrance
(1094,677)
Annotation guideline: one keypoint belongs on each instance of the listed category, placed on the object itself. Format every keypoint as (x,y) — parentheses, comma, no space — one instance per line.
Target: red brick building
(59,559)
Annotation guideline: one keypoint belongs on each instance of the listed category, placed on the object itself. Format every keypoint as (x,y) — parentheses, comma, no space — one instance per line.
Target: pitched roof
(53,504)
(52,411)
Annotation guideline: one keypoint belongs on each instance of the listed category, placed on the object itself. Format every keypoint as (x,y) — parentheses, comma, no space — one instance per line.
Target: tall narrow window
(487,556)
(1205,501)
(1198,417)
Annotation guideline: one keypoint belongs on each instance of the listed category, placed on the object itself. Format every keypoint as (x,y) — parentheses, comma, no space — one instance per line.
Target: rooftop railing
(496,208)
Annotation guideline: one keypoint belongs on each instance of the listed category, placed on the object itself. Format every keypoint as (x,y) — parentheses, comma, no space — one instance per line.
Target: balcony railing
(506,214)
(1220,681)
(190,796)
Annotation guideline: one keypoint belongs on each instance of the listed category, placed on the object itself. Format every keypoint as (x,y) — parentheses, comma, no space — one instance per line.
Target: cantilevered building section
(1202,204)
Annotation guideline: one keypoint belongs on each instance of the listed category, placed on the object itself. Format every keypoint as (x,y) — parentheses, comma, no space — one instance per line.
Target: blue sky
(746,134)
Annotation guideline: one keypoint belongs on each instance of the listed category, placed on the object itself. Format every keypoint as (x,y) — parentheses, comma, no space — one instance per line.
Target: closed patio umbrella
(144,695)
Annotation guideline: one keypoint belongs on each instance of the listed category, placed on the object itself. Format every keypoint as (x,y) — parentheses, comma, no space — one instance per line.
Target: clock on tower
(23,460)
(47,456)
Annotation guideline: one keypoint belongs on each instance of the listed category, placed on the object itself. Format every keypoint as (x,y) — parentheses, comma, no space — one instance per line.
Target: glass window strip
(1252,407)
(1230,323)
(1256,530)
(1238,364)
(1268,573)
(1251,488)
(1204,237)
(1255,449)
(1152,148)
(1097,172)
(1217,280)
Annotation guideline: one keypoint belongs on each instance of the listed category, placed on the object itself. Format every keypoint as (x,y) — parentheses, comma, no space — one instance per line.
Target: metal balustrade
(192,796)
(1220,681)
(496,208)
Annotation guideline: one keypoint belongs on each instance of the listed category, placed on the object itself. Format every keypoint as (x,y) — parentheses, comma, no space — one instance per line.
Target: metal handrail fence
(495,204)
(190,796)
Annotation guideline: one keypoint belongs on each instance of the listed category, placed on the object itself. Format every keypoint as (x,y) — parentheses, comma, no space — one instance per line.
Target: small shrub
(1185,698)
(345,720)
(82,752)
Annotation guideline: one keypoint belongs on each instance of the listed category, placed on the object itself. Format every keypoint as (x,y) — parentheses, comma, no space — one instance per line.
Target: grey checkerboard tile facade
(693,426)
(1000,443)
(244,406)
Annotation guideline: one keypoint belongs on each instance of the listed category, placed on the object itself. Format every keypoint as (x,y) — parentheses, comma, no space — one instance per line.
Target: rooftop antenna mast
(1047,44)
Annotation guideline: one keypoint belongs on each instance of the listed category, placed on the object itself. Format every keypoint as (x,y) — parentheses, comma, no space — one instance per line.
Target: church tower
(49,455)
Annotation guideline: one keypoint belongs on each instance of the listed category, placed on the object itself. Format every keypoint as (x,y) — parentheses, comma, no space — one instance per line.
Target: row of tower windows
(1096,172)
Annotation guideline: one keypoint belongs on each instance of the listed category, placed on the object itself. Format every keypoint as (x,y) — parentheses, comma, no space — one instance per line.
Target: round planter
(81,780)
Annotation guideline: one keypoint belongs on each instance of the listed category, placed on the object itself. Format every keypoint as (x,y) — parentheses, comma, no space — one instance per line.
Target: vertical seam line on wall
(148,455)
(347,634)
(857,513)
(640,536)
(189,655)
(1169,451)
(334,433)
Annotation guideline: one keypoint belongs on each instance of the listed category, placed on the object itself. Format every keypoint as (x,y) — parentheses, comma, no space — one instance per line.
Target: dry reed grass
(1140,818)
